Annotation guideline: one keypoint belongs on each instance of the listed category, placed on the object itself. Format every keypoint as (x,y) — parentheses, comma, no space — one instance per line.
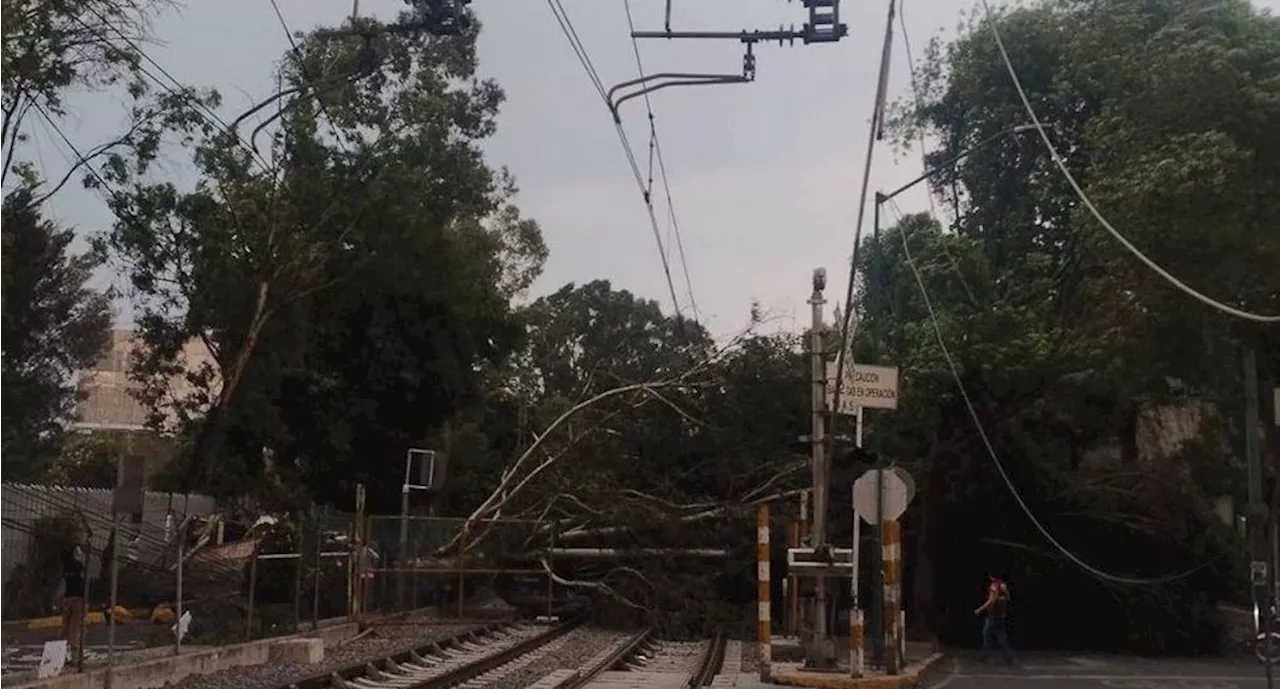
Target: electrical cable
(877,113)
(924,156)
(1084,198)
(302,69)
(566,26)
(656,146)
(986,441)
(207,114)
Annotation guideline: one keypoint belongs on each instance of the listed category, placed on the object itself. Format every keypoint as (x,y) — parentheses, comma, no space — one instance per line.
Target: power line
(302,68)
(570,33)
(208,114)
(1084,198)
(877,115)
(656,146)
(986,441)
(924,158)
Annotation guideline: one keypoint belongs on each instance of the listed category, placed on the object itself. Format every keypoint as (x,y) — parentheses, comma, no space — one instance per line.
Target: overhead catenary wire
(302,69)
(584,58)
(656,147)
(206,113)
(1088,203)
(995,458)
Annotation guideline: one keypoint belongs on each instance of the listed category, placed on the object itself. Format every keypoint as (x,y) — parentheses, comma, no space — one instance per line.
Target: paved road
(1097,672)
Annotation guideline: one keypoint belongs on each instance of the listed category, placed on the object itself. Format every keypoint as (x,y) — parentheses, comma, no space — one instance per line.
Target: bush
(33,588)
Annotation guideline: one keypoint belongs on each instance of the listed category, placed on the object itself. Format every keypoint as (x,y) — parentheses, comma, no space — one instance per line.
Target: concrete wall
(154,673)
(23,505)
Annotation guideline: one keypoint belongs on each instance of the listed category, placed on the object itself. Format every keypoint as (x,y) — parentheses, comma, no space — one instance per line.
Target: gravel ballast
(386,641)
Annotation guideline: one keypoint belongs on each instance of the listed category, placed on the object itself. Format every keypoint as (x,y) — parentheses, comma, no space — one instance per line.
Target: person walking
(73,580)
(995,632)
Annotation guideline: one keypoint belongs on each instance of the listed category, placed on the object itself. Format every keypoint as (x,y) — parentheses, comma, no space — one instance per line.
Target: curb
(911,677)
(97,617)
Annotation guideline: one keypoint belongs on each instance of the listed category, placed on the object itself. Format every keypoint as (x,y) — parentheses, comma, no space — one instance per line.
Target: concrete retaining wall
(151,674)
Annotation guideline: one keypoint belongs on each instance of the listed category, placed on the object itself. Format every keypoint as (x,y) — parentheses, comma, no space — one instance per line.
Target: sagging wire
(995,458)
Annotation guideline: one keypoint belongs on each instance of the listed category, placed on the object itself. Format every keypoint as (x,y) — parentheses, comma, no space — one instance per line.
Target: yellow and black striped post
(856,642)
(762,582)
(890,558)
(792,591)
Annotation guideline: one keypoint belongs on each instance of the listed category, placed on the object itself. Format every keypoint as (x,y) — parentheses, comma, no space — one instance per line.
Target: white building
(108,402)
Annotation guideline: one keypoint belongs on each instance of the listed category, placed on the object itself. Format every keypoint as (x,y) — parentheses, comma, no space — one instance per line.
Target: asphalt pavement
(1075,671)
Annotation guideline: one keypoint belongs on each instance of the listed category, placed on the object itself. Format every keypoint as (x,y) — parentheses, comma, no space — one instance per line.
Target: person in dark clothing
(73,580)
(994,630)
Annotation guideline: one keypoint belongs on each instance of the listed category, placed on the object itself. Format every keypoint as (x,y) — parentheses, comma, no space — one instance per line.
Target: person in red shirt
(994,630)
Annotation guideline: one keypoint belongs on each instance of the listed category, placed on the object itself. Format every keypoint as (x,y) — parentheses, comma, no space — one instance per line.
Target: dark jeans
(995,636)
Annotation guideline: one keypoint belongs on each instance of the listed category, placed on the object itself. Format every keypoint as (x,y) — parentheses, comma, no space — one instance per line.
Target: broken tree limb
(600,585)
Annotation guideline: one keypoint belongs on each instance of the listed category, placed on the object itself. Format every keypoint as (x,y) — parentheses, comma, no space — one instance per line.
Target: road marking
(1086,662)
(955,672)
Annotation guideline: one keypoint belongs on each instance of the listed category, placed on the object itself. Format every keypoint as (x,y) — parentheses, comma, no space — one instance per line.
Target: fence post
(297,570)
(177,618)
(315,594)
(551,580)
(763,583)
(355,599)
(462,577)
(253,585)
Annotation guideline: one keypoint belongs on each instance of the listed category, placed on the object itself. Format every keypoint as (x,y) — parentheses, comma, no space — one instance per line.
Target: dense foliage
(1069,346)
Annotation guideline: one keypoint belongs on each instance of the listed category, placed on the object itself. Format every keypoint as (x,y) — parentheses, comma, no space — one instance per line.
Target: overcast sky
(764,176)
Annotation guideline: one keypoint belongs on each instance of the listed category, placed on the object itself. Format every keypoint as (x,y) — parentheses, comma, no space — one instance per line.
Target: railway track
(512,655)
(441,664)
(642,663)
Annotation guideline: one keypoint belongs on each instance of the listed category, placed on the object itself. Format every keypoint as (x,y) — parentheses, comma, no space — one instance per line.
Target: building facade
(108,400)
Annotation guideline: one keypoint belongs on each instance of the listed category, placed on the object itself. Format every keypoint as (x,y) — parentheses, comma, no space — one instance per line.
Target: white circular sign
(866,495)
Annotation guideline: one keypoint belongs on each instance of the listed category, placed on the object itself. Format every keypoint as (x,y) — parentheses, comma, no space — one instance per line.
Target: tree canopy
(1068,346)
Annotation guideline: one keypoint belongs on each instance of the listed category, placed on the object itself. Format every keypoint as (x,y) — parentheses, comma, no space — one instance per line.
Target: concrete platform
(787,668)
(195,660)
(306,651)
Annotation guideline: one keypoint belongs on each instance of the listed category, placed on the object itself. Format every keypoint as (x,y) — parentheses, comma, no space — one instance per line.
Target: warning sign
(864,386)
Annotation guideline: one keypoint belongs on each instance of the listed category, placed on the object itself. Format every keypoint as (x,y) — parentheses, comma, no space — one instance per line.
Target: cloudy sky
(764,176)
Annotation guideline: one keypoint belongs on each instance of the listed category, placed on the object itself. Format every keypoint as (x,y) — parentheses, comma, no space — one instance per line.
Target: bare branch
(600,585)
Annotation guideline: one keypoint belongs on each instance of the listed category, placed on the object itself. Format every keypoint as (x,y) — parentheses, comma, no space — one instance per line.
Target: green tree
(54,326)
(349,280)
(1162,112)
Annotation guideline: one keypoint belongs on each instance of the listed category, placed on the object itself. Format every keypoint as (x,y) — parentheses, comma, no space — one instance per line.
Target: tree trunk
(935,484)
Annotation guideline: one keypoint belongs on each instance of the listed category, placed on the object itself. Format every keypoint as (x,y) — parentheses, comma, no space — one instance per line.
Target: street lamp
(880,199)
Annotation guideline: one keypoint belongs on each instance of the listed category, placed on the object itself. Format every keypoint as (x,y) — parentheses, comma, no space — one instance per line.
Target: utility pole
(820,651)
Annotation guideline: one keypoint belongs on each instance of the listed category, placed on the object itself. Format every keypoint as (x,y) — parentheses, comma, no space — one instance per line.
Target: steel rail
(710,664)
(368,669)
